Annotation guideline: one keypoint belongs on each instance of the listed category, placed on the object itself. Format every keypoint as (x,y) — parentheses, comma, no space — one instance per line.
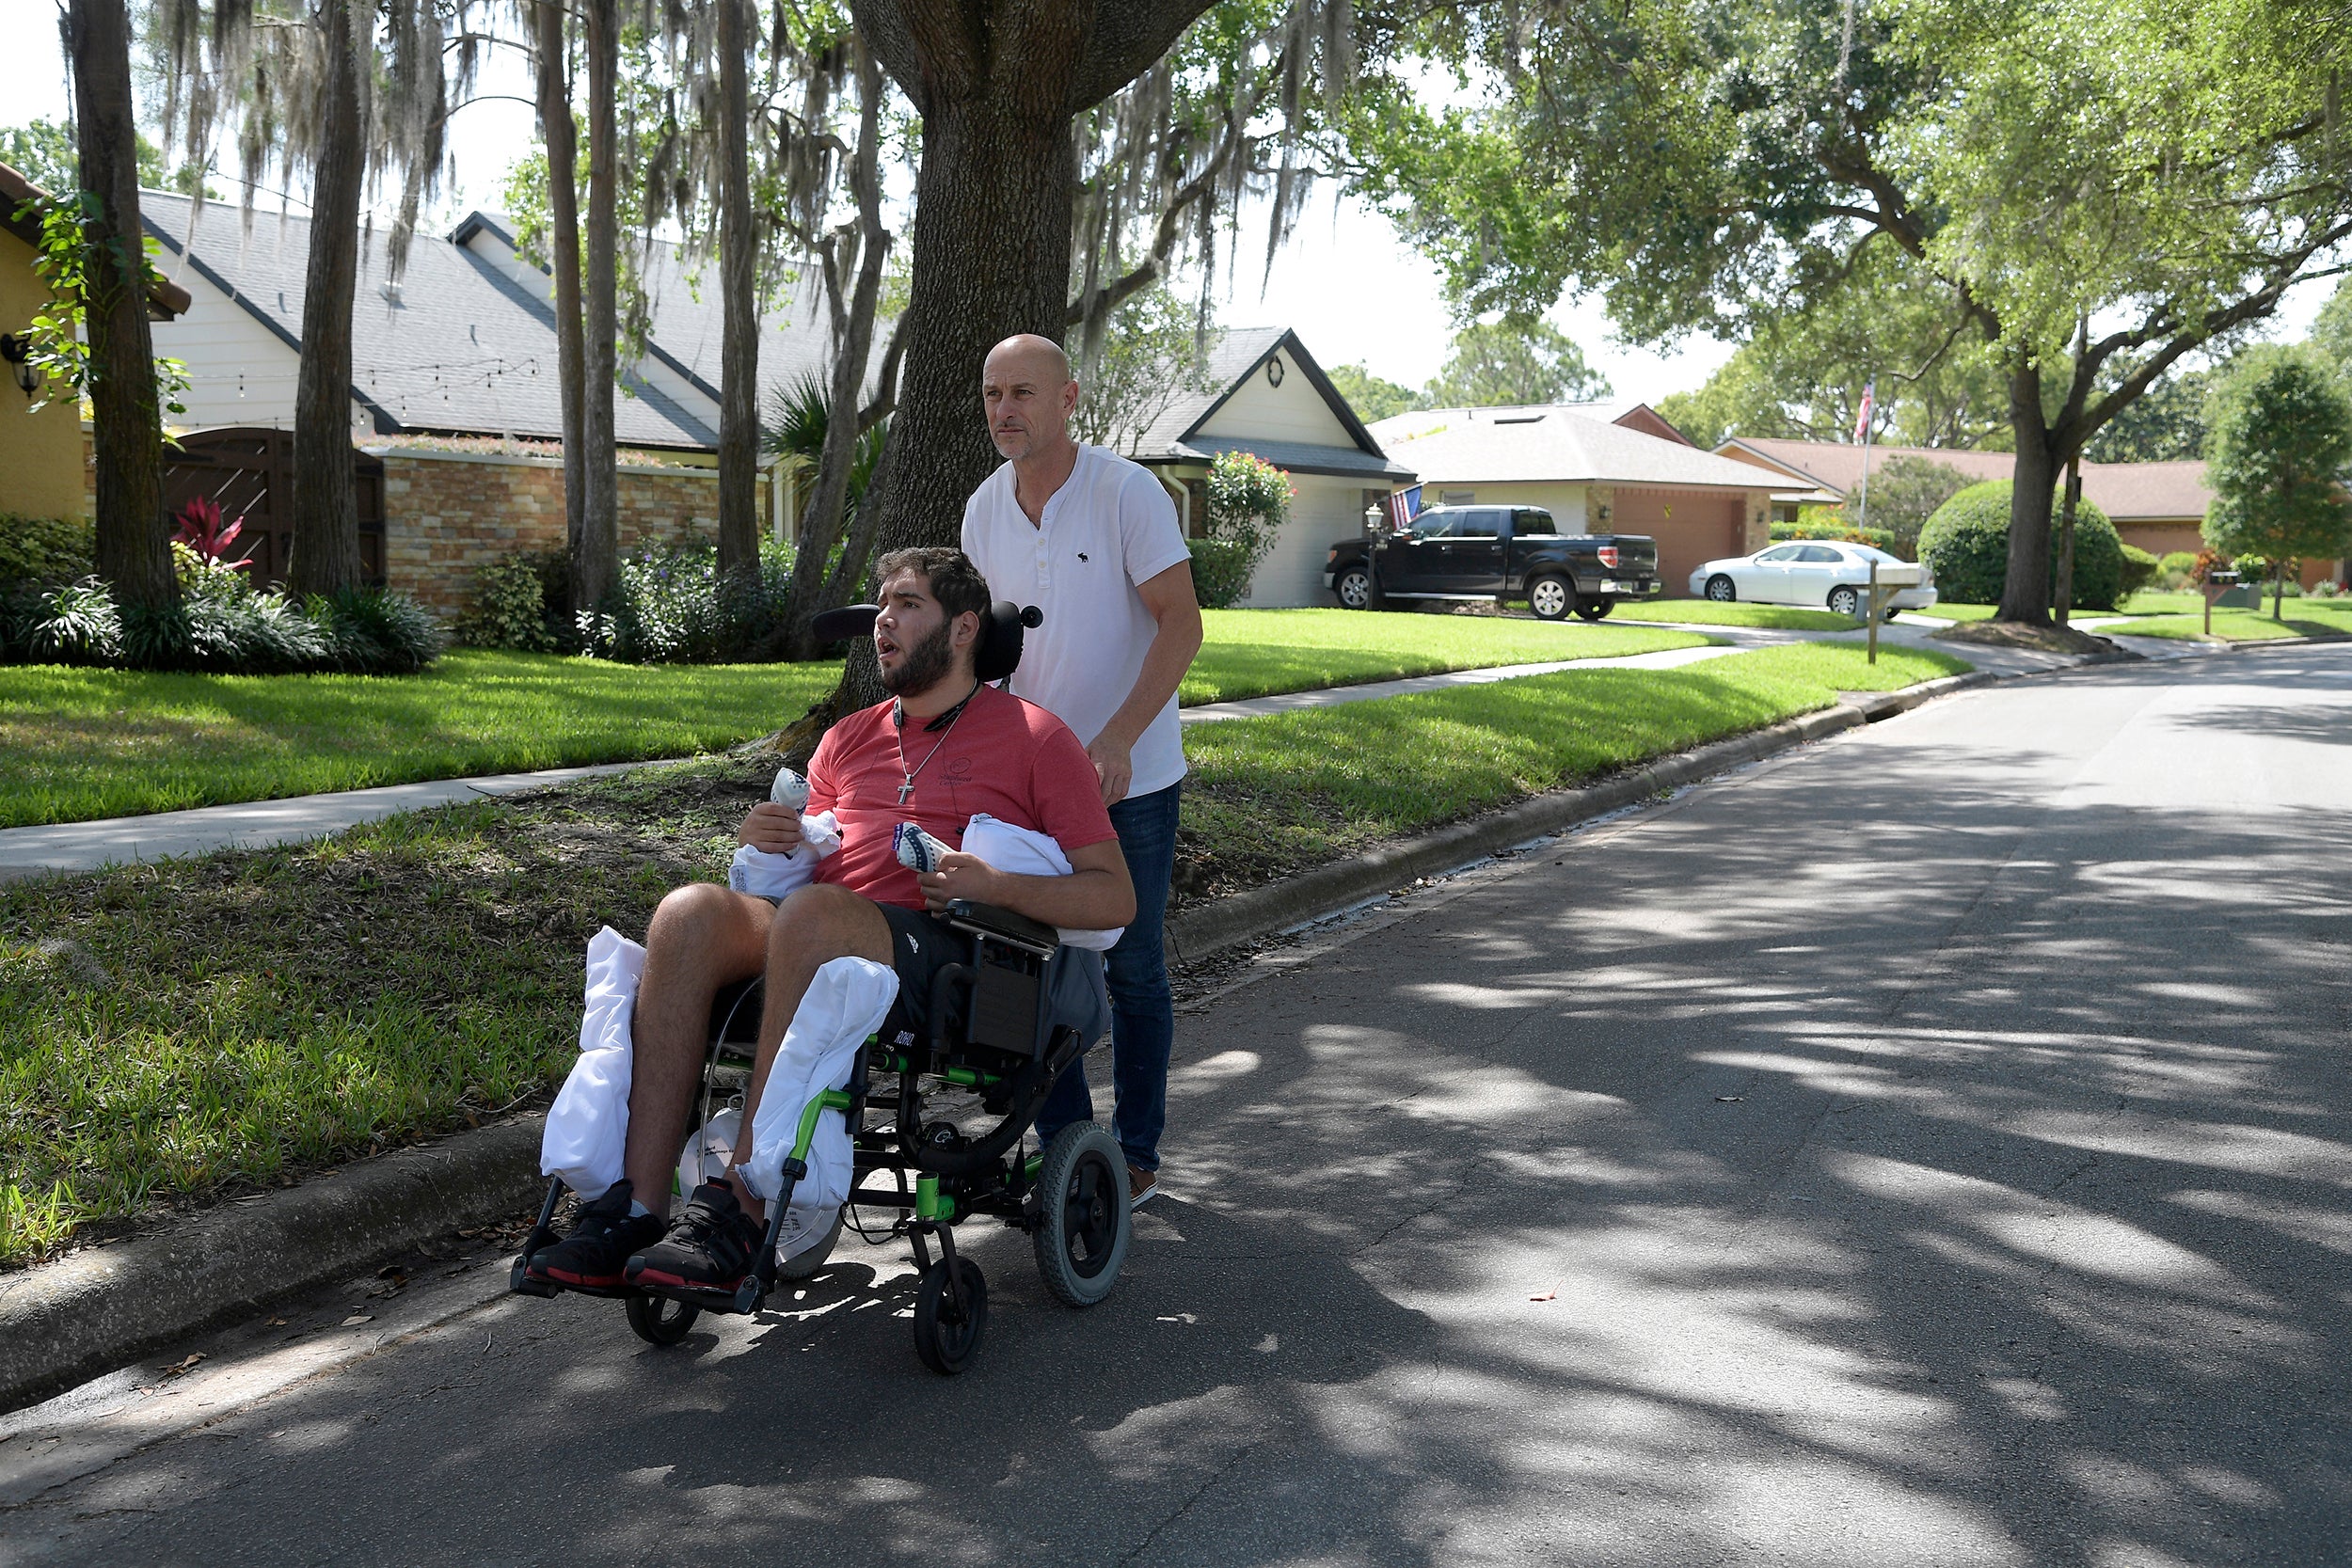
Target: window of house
(1456,498)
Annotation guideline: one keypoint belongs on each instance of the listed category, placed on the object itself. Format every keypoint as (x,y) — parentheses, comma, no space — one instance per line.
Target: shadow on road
(1931,1150)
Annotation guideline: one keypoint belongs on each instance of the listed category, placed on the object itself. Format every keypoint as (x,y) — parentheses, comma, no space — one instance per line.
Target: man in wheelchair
(944,749)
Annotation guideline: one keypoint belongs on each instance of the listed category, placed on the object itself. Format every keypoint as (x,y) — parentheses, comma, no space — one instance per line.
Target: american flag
(1403,506)
(1870,400)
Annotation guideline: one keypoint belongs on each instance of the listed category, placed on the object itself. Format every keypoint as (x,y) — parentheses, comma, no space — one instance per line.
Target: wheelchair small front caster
(660,1320)
(947,1329)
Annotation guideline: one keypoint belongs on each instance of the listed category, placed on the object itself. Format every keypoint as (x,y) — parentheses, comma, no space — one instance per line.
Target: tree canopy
(2281,447)
(1519,358)
(2163,168)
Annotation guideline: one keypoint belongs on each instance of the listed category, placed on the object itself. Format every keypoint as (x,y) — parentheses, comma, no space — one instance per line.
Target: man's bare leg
(703,936)
(816,925)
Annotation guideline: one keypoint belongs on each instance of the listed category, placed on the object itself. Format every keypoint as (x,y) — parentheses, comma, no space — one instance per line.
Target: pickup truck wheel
(1550,598)
(1844,601)
(1595,610)
(1722,589)
(1353,588)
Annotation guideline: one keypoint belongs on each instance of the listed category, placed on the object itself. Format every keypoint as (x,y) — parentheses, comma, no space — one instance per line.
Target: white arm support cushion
(765,876)
(1026,853)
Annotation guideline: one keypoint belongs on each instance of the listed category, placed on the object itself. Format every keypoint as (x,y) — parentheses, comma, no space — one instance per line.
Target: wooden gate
(249,473)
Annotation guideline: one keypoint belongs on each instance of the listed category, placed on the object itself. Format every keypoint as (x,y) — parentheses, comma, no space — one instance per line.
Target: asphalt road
(1929,1148)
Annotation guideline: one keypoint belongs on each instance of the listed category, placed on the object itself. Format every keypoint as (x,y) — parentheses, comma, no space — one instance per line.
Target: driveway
(1928,1147)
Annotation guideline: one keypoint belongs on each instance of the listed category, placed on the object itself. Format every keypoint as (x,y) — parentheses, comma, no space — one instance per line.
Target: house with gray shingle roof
(455,348)
(1265,394)
(1593,475)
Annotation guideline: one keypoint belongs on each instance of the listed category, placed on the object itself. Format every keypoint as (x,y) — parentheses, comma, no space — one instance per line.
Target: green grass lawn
(2304,618)
(1705,613)
(78,744)
(1258,653)
(81,744)
(263,1013)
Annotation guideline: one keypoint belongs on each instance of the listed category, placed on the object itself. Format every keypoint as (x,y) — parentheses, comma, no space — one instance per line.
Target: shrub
(46,549)
(374,631)
(221,625)
(1249,500)
(668,605)
(1966,546)
(511,608)
(1220,571)
(2139,566)
(1829,522)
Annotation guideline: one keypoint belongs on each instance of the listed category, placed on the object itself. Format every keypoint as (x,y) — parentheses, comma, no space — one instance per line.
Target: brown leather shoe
(1142,1186)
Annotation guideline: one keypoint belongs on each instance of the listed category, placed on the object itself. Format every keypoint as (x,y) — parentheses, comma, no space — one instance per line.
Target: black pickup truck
(1495,552)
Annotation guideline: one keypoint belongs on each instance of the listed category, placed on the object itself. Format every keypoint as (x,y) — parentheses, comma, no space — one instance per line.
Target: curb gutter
(99,1309)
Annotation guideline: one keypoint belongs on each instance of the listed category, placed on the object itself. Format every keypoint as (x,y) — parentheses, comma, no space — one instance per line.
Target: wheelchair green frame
(990,1032)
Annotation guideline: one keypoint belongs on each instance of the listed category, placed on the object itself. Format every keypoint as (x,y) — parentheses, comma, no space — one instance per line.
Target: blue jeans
(1143,1020)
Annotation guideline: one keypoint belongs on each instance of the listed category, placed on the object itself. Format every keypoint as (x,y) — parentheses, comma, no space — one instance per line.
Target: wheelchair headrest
(1001,627)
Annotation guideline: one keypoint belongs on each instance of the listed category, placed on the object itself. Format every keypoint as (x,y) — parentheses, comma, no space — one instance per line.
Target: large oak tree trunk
(556,130)
(738,356)
(595,560)
(133,548)
(326,505)
(2025,589)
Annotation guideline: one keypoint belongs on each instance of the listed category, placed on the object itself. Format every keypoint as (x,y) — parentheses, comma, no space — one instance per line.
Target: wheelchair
(992,1046)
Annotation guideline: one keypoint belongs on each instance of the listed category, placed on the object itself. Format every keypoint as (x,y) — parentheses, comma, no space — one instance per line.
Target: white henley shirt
(1107,529)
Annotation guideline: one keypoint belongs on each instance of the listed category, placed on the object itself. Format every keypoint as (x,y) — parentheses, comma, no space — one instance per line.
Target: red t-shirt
(1009,758)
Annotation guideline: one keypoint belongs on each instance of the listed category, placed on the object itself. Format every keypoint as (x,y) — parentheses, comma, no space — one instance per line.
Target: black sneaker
(709,1247)
(599,1244)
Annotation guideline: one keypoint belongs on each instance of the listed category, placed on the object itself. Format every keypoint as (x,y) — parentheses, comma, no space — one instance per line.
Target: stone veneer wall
(447,515)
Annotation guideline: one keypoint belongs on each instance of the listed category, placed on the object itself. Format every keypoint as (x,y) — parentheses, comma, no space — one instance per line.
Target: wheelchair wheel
(803,1264)
(1082,1222)
(660,1320)
(948,1334)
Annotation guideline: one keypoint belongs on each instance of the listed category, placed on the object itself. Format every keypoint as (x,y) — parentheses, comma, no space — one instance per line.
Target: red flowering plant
(201,535)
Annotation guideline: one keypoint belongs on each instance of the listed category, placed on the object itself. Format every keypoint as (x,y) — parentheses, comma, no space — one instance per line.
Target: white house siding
(1294,411)
(1326,510)
(239,372)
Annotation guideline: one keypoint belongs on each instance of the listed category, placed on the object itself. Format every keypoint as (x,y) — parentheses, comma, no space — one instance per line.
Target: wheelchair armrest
(1005,926)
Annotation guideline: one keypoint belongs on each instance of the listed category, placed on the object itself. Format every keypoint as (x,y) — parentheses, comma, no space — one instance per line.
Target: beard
(926,665)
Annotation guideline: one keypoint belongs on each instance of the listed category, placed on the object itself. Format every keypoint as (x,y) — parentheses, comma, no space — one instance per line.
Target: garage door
(1691,527)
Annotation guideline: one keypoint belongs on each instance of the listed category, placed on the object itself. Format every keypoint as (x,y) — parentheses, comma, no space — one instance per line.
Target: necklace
(953,717)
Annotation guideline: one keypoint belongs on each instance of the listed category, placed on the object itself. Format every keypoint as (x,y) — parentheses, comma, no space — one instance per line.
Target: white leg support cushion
(846,1002)
(587,1130)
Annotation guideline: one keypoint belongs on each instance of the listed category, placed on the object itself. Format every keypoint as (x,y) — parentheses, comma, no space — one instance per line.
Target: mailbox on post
(2215,585)
(1887,578)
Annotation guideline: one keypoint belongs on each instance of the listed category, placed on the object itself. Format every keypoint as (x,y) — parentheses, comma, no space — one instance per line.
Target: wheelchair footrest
(742,1301)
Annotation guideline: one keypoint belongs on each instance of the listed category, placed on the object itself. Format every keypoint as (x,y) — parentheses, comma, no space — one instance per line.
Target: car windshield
(1871,552)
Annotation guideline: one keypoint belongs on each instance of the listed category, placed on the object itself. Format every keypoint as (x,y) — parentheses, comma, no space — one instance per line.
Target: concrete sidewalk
(250,825)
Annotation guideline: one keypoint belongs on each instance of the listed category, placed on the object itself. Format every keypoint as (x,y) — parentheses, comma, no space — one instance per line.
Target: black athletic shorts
(921,945)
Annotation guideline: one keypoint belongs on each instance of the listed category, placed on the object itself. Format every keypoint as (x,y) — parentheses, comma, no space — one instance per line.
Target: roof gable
(456,346)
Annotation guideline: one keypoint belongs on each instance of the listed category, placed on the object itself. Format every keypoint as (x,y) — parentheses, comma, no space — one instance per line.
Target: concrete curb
(1262,911)
(97,1311)
(100,1309)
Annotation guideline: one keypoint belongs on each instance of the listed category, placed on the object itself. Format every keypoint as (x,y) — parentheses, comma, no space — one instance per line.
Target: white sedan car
(1814,573)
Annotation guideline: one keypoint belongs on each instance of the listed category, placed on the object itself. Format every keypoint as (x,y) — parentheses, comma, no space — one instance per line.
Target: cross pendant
(904,791)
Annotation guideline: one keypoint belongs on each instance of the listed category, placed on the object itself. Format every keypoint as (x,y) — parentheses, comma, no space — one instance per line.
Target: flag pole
(1870,400)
